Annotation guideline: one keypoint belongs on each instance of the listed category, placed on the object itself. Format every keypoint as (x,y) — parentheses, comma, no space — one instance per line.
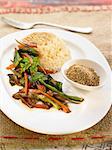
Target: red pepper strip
(10,67)
(41,106)
(46,71)
(42,69)
(41,87)
(50,71)
(26,82)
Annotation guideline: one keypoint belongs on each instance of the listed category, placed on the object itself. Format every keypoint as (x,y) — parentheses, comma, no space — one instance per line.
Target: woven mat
(13,135)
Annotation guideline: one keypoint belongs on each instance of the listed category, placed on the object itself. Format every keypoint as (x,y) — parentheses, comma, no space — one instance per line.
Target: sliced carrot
(21,46)
(26,83)
(64,107)
(41,106)
(10,67)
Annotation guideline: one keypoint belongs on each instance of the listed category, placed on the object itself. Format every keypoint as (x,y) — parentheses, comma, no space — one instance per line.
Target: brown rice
(53,52)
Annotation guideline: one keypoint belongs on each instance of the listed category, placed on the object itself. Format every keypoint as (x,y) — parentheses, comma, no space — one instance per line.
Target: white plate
(82,116)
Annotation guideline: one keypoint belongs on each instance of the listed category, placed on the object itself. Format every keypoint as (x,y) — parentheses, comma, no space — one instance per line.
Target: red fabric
(43,6)
(35,3)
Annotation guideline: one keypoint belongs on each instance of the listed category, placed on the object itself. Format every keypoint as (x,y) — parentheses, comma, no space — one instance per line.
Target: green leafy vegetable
(33,68)
(25,64)
(27,49)
(30,51)
(56,84)
(37,76)
(17,58)
(59,85)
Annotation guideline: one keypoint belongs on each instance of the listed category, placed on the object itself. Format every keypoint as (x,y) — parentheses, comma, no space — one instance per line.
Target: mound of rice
(53,52)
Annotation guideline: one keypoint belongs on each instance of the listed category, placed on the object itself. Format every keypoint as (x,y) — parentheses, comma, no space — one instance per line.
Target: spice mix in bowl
(84,74)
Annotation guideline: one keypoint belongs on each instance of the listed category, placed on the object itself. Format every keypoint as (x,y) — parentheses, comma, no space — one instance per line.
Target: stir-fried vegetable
(10,67)
(26,82)
(39,90)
